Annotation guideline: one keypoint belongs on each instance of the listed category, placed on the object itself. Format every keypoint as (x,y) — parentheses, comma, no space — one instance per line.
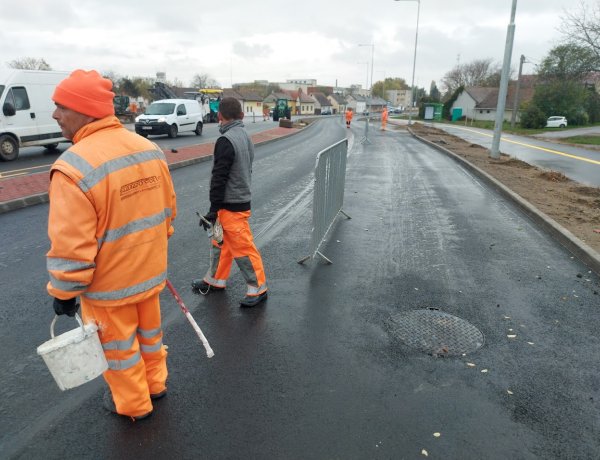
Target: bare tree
(29,63)
(480,72)
(204,81)
(581,26)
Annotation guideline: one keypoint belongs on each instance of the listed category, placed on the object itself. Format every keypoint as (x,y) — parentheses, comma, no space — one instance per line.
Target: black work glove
(66,307)
(211,217)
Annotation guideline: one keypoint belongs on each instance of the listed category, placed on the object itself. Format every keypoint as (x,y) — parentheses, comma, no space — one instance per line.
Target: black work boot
(252,300)
(200,286)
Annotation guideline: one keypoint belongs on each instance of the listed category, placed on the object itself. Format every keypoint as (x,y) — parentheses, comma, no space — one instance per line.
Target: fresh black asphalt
(318,371)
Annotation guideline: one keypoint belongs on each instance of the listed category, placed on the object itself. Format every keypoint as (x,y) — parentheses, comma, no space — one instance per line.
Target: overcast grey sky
(239,41)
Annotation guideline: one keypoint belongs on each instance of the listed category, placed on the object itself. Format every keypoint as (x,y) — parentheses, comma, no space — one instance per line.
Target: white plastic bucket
(75,357)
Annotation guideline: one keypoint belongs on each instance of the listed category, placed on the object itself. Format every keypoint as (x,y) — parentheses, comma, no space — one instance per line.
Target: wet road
(581,165)
(319,370)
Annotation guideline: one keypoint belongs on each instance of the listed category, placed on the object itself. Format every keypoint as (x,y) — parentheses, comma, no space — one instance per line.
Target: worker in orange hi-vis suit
(112,203)
(230,207)
(348,117)
(384,118)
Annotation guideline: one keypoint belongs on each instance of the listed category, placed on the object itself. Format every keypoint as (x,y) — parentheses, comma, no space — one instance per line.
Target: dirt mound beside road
(574,206)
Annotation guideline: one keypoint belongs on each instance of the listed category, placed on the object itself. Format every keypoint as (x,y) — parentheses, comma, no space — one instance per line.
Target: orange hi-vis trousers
(131,337)
(238,244)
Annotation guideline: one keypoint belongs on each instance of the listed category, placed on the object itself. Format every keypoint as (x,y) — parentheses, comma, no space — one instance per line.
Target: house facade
(399,97)
(253,103)
(338,103)
(356,102)
(322,104)
(480,103)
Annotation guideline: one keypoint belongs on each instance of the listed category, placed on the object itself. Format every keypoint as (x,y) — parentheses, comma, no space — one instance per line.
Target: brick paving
(18,192)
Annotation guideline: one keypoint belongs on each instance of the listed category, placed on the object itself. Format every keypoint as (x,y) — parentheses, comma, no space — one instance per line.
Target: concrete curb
(40,198)
(574,245)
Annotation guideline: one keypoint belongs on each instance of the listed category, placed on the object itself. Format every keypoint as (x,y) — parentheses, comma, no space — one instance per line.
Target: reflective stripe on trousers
(131,337)
(238,244)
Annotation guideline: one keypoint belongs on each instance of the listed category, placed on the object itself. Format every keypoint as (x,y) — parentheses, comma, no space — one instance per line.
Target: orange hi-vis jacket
(348,115)
(111,206)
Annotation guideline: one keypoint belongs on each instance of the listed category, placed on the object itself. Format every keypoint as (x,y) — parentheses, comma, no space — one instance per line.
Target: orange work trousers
(131,337)
(238,244)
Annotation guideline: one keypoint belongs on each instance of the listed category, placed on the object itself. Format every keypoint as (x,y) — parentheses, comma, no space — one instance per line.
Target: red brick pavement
(21,191)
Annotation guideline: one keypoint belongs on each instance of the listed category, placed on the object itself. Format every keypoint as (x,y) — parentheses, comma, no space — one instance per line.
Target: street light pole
(513,116)
(502,91)
(412,88)
(372,45)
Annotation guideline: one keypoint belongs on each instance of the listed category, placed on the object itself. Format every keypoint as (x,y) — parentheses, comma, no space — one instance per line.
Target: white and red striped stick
(209,352)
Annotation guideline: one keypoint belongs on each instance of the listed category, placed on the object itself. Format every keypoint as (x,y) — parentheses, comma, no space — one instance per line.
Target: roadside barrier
(328,195)
(365,139)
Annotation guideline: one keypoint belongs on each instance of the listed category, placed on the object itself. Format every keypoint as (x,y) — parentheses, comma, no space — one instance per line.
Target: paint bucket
(75,357)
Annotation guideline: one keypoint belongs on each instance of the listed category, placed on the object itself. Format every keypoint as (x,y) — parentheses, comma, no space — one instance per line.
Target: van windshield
(1,90)
(162,108)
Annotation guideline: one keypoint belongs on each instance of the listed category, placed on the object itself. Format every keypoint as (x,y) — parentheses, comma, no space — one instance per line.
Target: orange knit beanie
(86,92)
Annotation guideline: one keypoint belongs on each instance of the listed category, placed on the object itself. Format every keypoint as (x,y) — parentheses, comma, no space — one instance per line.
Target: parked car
(326,112)
(556,122)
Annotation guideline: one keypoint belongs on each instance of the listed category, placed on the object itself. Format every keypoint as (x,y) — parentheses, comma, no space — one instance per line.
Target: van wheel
(173,130)
(198,130)
(50,148)
(9,150)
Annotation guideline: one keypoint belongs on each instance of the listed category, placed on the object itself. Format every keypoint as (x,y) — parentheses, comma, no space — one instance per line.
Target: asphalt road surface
(37,159)
(579,164)
(321,371)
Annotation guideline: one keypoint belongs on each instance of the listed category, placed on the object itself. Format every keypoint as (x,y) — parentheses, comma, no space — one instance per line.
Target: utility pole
(510,35)
(513,117)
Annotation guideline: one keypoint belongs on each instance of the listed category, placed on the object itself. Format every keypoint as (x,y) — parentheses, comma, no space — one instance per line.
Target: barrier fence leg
(365,138)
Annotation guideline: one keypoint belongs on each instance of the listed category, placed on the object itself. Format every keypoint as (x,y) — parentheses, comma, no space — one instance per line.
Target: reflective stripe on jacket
(111,206)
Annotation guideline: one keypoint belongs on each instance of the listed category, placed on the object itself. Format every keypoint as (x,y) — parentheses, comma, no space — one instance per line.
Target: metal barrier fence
(328,195)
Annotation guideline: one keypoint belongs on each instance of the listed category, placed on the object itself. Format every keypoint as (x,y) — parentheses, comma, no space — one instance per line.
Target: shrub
(533,117)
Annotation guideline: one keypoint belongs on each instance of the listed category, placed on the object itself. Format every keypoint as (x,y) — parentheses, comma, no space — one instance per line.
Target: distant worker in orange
(348,117)
(112,203)
(266,116)
(384,118)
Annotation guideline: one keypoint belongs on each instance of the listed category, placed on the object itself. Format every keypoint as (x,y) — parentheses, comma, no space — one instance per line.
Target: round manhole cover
(436,332)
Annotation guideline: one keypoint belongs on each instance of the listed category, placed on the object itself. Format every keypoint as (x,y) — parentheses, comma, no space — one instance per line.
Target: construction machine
(124,109)
(209,98)
(282,110)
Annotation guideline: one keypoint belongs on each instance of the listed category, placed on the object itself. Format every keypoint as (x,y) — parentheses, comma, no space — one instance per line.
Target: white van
(170,116)
(27,106)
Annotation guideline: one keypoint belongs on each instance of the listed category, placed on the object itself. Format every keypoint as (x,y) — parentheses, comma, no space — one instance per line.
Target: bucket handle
(54,322)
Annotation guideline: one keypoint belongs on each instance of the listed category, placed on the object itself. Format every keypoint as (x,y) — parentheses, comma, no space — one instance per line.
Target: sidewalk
(23,191)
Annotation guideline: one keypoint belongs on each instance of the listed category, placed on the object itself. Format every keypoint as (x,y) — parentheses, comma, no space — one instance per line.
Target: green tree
(388,84)
(262,89)
(592,105)
(562,97)
(29,63)
(434,92)
(568,62)
(448,103)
